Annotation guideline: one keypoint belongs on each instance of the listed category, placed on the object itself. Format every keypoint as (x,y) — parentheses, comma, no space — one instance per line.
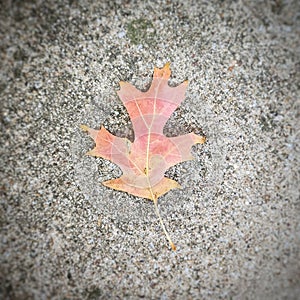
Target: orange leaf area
(145,161)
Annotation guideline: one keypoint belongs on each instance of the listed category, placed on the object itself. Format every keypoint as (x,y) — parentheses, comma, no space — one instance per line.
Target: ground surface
(235,221)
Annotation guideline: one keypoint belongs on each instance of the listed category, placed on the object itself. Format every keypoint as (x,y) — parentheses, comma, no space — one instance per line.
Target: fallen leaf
(144,162)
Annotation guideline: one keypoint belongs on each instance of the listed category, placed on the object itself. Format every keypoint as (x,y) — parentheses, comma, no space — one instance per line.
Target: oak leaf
(145,161)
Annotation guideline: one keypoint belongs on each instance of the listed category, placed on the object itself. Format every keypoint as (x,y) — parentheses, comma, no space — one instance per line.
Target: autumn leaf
(145,161)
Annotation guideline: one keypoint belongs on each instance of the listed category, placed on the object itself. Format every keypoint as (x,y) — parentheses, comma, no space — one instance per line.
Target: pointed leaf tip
(198,139)
(201,139)
(164,73)
(92,132)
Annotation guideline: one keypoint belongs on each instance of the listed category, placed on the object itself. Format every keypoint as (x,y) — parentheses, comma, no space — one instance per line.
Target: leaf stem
(163,225)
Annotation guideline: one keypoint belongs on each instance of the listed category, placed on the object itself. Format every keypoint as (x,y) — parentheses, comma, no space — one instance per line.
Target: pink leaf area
(145,161)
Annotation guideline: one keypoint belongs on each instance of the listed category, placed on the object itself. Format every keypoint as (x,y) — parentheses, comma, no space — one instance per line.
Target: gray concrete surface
(235,221)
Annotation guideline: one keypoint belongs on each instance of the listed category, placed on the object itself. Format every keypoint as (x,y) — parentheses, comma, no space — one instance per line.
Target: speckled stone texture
(236,219)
